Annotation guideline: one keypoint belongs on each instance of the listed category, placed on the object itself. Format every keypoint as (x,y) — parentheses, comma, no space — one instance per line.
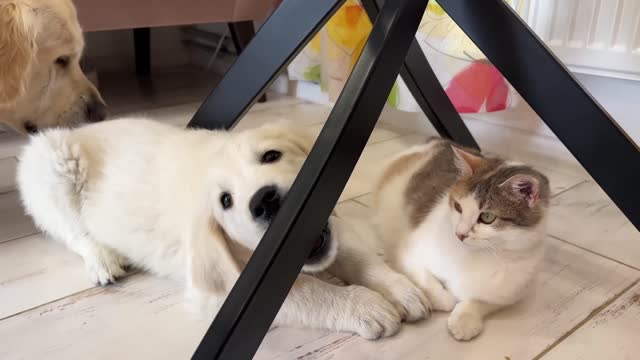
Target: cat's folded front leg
(467,318)
(441,299)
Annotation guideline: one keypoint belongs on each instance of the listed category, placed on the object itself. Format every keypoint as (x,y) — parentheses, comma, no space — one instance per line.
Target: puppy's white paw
(465,325)
(104,265)
(442,300)
(371,316)
(408,299)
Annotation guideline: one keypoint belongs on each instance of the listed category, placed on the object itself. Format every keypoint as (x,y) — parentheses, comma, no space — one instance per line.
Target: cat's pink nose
(462,236)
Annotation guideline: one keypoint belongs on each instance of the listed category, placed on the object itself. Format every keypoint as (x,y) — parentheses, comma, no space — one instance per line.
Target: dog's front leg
(358,263)
(317,304)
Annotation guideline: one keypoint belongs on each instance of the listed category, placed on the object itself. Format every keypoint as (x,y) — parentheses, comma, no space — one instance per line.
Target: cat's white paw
(104,265)
(371,316)
(410,302)
(465,325)
(442,300)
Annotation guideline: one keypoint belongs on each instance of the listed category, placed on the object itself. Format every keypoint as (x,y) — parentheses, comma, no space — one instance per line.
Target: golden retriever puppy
(41,83)
(193,205)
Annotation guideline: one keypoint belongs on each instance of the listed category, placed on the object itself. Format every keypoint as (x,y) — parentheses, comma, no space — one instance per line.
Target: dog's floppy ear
(17,50)
(212,269)
(301,137)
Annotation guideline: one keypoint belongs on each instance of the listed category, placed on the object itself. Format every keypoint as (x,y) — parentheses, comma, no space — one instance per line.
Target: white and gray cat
(467,229)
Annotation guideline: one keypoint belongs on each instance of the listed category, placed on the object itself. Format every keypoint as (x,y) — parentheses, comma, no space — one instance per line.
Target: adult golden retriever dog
(193,205)
(41,83)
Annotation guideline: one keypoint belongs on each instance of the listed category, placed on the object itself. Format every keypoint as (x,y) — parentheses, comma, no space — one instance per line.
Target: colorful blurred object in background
(472,83)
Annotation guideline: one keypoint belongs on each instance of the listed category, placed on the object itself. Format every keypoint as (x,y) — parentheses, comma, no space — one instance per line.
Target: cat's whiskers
(492,246)
(495,248)
(495,251)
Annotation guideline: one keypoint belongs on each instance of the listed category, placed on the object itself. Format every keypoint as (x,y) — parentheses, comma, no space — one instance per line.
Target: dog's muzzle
(266,203)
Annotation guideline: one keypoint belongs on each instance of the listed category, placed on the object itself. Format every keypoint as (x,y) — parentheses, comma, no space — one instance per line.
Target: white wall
(592,36)
(621,98)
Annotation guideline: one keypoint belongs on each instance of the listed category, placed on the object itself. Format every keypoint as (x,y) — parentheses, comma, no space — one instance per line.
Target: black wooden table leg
(241,33)
(142,49)
(593,137)
(254,301)
(279,40)
(426,89)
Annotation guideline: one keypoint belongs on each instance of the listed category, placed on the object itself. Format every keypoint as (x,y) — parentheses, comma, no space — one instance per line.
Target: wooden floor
(585,304)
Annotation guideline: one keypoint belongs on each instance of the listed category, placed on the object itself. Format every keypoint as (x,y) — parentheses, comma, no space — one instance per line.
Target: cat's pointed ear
(465,161)
(523,186)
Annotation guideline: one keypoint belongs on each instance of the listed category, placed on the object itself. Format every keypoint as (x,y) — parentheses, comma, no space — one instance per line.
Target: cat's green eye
(487,217)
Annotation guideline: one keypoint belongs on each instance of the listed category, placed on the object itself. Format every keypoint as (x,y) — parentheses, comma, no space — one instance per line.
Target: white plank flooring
(13,222)
(578,216)
(34,271)
(611,334)
(7,174)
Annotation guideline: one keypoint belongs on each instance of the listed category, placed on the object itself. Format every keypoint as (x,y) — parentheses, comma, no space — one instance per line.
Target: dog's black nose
(96,110)
(265,203)
(30,127)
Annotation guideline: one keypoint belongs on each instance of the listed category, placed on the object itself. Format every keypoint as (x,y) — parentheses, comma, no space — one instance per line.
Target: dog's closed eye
(63,61)
(270,156)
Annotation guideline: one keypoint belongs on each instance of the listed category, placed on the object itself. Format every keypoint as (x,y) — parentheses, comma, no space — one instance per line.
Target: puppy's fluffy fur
(41,83)
(139,192)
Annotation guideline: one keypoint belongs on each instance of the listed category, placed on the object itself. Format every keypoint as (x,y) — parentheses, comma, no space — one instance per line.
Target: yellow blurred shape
(349,26)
